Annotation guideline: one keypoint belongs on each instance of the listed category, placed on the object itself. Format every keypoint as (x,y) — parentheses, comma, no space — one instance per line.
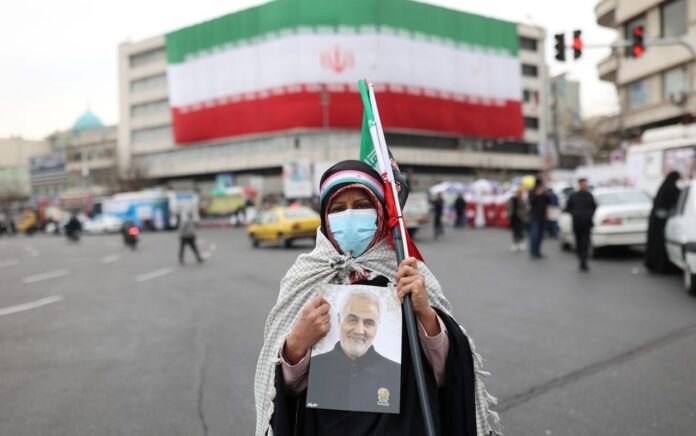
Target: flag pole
(399,234)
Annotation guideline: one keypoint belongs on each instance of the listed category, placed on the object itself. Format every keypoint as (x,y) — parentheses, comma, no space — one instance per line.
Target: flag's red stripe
(304,110)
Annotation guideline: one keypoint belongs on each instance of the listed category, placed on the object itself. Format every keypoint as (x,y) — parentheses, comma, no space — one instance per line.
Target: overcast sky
(59,57)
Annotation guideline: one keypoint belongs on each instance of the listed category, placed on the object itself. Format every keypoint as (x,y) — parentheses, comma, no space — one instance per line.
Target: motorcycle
(130,236)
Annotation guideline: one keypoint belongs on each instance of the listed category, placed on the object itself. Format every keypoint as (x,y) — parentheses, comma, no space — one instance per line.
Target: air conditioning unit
(678,98)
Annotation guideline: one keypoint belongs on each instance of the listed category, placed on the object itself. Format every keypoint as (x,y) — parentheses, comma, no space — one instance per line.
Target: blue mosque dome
(87,121)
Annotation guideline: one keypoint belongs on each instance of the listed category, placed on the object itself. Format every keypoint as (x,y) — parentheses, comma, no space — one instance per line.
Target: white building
(146,147)
(655,89)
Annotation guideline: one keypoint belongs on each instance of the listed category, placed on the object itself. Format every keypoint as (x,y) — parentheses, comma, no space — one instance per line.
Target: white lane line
(154,274)
(45,276)
(31,251)
(8,262)
(28,306)
(110,258)
(213,247)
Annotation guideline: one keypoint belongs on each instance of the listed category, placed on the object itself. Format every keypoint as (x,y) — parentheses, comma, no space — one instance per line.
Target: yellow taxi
(283,225)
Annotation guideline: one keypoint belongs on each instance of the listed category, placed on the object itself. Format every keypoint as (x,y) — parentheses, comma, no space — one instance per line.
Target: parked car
(283,225)
(416,212)
(680,236)
(621,219)
(102,224)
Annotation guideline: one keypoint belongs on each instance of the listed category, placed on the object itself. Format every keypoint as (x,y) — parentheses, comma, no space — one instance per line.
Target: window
(626,197)
(530,70)
(630,25)
(530,96)
(152,134)
(148,57)
(673,18)
(528,44)
(149,108)
(637,94)
(531,123)
(674,83)
(148,83)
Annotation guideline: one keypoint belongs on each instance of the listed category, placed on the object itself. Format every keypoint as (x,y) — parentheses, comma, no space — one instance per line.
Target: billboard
(295,64)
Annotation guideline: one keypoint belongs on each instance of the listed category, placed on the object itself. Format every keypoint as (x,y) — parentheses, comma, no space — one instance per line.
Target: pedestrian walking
(539,202)
(666,199)
(553,214)
(517,212)
(187,236)
(353,247)
(438,207)
(460,211)
(581,206)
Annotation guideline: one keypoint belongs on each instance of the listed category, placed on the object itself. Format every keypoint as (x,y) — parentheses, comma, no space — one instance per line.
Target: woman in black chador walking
(666,199)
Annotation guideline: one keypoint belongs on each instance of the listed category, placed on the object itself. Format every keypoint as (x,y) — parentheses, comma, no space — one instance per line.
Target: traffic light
(560,47)
(577,44)
(637,46)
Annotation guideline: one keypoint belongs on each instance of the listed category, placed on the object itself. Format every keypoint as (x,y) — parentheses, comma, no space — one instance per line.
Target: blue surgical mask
(354,229)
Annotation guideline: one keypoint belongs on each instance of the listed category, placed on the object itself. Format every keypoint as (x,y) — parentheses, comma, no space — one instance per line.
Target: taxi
(283,225)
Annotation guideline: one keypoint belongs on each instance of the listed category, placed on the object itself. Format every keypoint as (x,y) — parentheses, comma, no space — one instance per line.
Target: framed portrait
(357,365)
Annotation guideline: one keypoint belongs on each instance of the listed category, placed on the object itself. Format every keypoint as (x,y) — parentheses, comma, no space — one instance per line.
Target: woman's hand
(411,281)
(312,325)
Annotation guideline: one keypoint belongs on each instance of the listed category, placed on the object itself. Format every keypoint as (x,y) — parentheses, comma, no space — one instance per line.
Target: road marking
(110,258)
(33,252)
(8,262)
(28,306)
(45,276)
(154,274)
(213,247)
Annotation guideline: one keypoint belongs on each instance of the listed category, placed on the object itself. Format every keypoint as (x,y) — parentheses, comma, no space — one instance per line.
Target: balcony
(605,11)
(608,67)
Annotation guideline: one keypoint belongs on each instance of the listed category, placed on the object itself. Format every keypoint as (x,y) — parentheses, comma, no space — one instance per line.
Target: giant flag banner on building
(295,64)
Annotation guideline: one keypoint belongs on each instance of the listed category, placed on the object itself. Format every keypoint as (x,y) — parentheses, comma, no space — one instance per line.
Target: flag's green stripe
(289,14)
(367,148)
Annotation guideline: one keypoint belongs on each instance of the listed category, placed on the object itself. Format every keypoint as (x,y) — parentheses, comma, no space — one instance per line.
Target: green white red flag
(374,151)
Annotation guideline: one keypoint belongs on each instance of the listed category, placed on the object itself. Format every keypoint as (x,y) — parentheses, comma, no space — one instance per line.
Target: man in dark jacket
(539,202)
(581,206)
(438,208)
(460,209)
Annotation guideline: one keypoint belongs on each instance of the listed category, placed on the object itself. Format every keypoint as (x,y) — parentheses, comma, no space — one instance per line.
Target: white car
(102,224)
(680,236)
(621,219)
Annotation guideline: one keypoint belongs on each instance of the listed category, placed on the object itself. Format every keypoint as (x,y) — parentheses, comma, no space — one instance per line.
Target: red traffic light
(577,43)
(637,44)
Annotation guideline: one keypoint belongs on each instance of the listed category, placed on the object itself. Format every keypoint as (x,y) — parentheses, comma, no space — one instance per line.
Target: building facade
(147,149)
(15,156)
(655,89)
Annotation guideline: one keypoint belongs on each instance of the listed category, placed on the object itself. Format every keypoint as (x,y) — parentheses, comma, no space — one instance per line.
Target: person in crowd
(353,246)
(666,199)
(517,212)
(460,211)
(553,214)
(187,236)
(73,227)
(539,202)
(581,206)
(438,209)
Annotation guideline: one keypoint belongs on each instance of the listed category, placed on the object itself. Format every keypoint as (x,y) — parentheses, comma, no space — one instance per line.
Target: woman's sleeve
(435,349)
(295,376)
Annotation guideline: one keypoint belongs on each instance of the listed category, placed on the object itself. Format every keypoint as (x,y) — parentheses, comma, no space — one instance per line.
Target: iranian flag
(295,63)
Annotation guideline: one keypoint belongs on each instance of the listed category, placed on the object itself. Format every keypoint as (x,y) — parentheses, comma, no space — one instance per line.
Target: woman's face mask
(353,229)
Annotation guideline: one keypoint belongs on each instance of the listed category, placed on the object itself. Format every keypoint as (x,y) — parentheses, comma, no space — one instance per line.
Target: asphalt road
(98,340)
